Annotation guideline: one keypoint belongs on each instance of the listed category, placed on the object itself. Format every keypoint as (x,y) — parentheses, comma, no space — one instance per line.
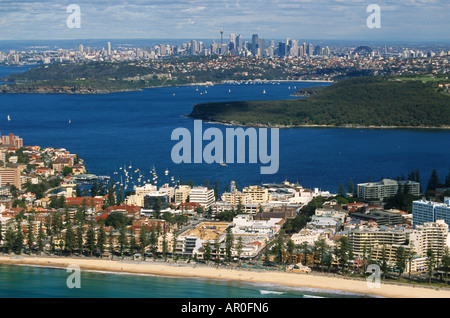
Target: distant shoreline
(13,88)
(256,125)
(321,282)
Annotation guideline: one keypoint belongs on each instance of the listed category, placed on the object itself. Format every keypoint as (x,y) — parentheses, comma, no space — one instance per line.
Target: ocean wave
(312,296)
(265,292)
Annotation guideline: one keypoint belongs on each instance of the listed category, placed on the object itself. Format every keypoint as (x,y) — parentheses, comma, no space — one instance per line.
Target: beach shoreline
(319,282)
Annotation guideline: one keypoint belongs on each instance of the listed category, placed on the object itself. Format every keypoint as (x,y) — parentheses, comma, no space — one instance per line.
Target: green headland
(410,101)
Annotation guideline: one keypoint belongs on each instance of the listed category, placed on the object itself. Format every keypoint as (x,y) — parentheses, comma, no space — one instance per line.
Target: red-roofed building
(97,202)
(150,224)
(128,210)
(189,206)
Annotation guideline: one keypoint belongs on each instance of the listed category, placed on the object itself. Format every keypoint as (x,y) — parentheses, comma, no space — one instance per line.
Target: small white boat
(9,118)
(264,91)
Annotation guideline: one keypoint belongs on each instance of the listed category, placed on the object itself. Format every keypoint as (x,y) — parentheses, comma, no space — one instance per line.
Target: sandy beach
(280,278)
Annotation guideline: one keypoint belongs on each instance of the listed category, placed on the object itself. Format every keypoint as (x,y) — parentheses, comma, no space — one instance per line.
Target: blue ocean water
(41,282)
(117,130)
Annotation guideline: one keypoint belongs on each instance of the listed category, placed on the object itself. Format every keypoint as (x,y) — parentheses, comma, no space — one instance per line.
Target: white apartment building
(430,235)
(385,188)
(202,196)
(140,192)
(243,224)
(310,236)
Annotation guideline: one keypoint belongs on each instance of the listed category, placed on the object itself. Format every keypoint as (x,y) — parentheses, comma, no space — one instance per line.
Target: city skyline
(326,19)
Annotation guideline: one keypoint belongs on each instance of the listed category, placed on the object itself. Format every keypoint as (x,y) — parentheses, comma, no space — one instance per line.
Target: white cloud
(202,19)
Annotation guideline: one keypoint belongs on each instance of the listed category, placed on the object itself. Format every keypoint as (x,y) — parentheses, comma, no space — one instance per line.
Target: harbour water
(134,129)
(117,130)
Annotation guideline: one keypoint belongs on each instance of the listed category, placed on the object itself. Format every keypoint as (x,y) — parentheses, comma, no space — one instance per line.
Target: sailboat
(70,121)
(9,118)
(223,164)
(264,91)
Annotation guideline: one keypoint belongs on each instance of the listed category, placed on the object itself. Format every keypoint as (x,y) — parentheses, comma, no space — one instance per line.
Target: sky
(417,20)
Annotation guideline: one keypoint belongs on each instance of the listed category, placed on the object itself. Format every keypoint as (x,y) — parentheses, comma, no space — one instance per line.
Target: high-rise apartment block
(13,141)
(428,211)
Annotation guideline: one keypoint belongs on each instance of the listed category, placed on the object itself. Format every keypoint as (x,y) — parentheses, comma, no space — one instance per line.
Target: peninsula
(382,101)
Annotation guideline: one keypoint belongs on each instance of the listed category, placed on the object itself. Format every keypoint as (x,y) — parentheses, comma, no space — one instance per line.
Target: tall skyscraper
(80,48)
(239,43)
(232,46)
(261,46)
(282,47)
(317,50)
(193,47)
(255,43)
(109,48)
(310,49)
(301,52)
(293,48)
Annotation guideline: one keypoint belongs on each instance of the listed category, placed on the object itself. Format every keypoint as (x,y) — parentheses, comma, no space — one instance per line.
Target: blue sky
(416,20)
